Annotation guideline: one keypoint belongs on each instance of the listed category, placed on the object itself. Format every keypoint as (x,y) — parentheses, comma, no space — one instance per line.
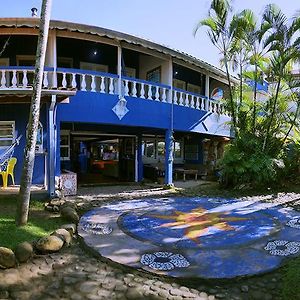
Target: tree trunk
(29,155)
(254,98)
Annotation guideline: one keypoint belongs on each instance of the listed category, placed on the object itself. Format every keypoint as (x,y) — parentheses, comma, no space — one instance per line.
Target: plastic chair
(9,171)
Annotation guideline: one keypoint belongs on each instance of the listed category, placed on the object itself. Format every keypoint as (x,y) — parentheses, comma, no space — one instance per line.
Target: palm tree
(283,45)
(221,37)
(29,155)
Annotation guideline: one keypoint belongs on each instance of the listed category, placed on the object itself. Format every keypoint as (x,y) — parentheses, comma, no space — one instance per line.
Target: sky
(168,22)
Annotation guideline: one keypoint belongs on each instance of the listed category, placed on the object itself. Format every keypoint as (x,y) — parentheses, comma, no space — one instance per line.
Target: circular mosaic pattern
(96,228)
(164,260)
(194,237)
(294,223)
(283,248)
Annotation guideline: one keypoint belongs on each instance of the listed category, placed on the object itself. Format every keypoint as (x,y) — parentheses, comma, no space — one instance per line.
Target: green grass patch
(40,222)
(291,280)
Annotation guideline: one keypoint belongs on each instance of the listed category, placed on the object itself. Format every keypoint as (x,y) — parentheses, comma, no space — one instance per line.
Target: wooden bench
(185,172)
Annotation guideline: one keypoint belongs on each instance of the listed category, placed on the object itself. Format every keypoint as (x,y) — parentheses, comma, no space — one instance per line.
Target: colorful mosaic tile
(194,237)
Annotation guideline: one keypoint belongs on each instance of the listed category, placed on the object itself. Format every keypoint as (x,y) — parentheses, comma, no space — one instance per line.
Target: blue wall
(19,113)
(92,107)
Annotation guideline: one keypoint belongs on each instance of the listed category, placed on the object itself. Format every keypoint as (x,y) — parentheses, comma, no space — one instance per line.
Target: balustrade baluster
(175,99)
(126,90)
(181,99)
(134,91)
(198,102)
(142,93)
(3,79)
(187,100)
(102,85)
(73,81)
(25,80)
(157,93)
(111,85)
(83,83)
(149,92)
(164,95)
(64,81)
(93,84)
(45,80)
(14,79)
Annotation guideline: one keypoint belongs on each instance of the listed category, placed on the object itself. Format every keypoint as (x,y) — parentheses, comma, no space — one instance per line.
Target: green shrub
(245,163)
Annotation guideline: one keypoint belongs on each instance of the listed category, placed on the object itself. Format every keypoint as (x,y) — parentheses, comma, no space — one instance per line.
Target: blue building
(115,107)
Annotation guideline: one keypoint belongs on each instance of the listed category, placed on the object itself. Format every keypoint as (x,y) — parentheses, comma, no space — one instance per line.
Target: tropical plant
(263,122)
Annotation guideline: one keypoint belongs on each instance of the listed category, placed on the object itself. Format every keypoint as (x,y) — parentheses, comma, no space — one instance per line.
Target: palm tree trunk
(254,98)
(29,155)
(272,115)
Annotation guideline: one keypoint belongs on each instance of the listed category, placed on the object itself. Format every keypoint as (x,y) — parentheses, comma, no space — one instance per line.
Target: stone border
(51,243)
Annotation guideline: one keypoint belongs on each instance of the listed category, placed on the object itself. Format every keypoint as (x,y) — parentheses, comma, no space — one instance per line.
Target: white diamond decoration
(120,108)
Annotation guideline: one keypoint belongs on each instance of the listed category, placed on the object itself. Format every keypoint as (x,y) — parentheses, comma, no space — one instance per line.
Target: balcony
(16,80)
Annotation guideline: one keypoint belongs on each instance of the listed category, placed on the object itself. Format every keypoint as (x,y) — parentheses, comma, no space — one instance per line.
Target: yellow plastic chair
(9,171)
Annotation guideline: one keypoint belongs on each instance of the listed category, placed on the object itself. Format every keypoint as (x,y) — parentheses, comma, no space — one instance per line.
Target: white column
(120,71)
(51,56)
(207,92)
(170,81)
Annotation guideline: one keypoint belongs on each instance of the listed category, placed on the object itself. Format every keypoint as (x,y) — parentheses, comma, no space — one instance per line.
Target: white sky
(169,22)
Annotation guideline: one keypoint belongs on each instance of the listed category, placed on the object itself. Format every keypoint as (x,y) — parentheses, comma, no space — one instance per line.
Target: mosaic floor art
(194,237)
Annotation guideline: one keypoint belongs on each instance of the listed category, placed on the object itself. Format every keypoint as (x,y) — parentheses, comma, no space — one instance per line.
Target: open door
(127,159)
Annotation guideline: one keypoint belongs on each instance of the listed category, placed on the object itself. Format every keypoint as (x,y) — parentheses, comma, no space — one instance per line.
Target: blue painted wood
(169,157)
(21,68)
(20,114)
(140,158)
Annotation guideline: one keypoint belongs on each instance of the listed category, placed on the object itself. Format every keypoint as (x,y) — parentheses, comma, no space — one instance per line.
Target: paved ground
(75,274)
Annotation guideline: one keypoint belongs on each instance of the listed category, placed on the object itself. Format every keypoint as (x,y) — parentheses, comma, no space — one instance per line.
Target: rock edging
(54,242)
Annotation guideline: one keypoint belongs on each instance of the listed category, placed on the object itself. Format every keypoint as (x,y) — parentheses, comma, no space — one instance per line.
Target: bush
(245,163)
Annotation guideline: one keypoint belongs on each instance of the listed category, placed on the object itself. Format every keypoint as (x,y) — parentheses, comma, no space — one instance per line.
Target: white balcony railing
(21,78)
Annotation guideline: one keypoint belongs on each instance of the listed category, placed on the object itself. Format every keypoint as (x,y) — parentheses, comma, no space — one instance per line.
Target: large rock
(69,214)
(70,227)
(24,251)
(50,243)
(7,258)
(63,234)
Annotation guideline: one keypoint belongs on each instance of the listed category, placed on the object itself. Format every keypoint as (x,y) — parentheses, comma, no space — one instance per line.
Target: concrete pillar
(119,67)
(51,57)
(169,145)
(51,148)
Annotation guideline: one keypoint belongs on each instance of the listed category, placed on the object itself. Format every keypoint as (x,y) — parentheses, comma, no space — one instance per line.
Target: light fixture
(95,52)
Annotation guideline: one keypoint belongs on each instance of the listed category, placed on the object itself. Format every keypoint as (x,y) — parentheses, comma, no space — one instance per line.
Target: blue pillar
(51,148)
(169,157)
(140,168)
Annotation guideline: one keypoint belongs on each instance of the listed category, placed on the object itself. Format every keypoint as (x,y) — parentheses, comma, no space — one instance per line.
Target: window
(7,133)
(64,145)
(178,149)
(149,149)
(191,152)
(154,75)
(130,72)
(179,84)
(193,88)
